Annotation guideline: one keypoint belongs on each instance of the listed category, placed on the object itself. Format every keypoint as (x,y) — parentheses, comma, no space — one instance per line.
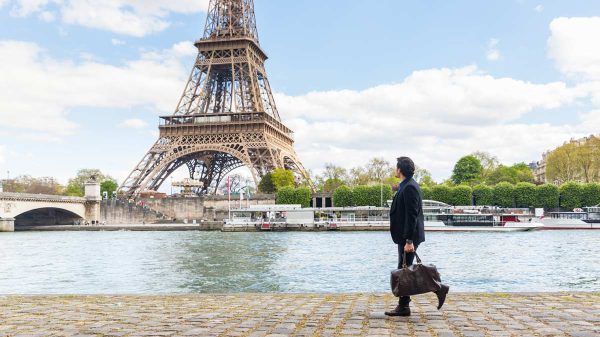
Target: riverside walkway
(278,315)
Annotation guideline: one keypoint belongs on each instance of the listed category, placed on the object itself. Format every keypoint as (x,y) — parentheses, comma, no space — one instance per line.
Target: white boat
(580,220)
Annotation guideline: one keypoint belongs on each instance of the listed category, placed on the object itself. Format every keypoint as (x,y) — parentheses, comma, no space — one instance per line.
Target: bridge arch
(48,216)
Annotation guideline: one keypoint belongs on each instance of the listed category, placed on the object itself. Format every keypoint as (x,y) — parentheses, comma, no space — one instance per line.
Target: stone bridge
(17,209)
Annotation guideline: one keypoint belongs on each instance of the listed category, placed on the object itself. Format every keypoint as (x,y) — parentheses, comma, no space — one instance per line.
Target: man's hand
(409,248)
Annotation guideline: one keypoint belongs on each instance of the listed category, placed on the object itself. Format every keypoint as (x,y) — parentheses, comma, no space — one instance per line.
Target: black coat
(406,215)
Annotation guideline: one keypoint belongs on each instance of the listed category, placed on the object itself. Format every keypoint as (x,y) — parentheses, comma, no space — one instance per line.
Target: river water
(214,262)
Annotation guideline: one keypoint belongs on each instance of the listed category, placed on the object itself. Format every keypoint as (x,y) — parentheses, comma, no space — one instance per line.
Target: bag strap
(404,265)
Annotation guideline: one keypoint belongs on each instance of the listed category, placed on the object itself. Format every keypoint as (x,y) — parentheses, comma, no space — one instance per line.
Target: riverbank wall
(174,210)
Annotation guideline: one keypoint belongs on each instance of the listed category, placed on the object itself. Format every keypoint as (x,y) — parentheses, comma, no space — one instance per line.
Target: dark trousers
(410,258)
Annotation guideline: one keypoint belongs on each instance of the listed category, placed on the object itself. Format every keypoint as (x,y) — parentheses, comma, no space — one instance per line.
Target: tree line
(50,186)
(575,161)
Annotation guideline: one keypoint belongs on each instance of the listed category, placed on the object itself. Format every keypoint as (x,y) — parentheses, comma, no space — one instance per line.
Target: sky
(83,82)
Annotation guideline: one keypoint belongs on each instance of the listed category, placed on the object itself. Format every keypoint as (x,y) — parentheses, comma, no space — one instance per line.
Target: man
(407,224)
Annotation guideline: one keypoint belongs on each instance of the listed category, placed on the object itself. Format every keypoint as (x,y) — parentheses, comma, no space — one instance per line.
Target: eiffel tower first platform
(226,117)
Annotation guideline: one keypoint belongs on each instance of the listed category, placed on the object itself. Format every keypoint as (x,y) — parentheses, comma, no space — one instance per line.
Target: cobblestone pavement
(274,315)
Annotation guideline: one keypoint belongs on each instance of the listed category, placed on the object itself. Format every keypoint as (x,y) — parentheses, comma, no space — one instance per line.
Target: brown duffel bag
(416,279)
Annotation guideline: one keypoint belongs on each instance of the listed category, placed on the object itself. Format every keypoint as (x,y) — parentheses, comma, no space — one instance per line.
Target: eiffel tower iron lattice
(226,117)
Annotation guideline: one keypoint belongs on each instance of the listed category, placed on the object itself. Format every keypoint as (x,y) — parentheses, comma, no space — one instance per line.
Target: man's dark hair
(406,166)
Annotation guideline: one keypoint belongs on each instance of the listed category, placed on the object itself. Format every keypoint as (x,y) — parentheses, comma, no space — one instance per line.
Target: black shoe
(441,294)
(400,310)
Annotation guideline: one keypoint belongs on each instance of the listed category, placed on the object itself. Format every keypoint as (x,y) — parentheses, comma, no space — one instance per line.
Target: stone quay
(278,315)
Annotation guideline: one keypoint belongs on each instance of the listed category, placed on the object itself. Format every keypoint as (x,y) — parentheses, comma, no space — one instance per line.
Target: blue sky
(83,83)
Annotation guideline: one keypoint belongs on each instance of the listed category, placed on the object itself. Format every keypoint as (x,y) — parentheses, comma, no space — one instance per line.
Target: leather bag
(416,279)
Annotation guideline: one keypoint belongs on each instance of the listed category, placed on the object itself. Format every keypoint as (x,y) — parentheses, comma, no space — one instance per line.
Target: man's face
(399,174)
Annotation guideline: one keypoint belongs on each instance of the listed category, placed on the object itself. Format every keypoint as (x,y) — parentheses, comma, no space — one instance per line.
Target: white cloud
(2,147)
(133,123)
(434,115)
(129,17)
(493,54)
(47,16)
(575,47)
(37,92)
(539,8)
(117,42)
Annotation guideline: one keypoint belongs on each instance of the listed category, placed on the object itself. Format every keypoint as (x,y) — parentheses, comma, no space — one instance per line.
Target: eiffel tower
(226,117)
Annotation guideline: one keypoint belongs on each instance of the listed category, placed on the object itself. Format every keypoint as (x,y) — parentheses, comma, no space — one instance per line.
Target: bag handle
(404,265)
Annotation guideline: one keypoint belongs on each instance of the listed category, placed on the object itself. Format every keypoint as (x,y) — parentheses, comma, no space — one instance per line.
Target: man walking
(407,224)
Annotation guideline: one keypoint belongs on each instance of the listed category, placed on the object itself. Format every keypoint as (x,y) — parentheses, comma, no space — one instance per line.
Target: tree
(525,195)
(467,170)
(560,164)
(358,176)
(591,194)
(76,186)
(441,193)
(461,195)
(378,169)
(379,194)
(361,195)
(286,196)
(303,196)
(547,196)
(488,162)
(571,195)
(282,178)
(523,173)
(483,195)
(343,197)
(108,186)
(504,194)
(31,185)
(502,174)
(331,185)
(426,192)
(266,184)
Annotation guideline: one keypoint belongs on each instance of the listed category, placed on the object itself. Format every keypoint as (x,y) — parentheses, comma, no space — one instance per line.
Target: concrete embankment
(278,315)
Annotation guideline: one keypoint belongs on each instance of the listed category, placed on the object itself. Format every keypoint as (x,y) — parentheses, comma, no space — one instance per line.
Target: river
(215,262)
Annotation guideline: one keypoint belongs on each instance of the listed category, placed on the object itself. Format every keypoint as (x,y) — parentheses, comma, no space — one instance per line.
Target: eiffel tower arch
(227,117)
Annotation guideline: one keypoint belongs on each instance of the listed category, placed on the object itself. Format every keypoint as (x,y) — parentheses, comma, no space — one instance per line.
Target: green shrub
(461,196)
(504,194)
(525,195)
(571,195)
(591,194)
(484,195)
(361,195)
(441,193)
(303,196)
(286,196)
(343,196)
(266,184)
(426,192)
(379,195)
(547,196)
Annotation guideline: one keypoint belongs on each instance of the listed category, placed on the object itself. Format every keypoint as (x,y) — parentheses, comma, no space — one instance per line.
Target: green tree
(109,186)
(286,196)
(483,195)
(282,178)
(331,185)
(343,197)
(266,184)
(303,196)
(591,194)
(76,186)
(467,170)
(524,174)
(379,195)
(441,193)
(488,162)
(571,195)
(560,164)
(362,195)
(461,195)
(504,194)
(426,192)
(525,195)
(502,174)
(547,196)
